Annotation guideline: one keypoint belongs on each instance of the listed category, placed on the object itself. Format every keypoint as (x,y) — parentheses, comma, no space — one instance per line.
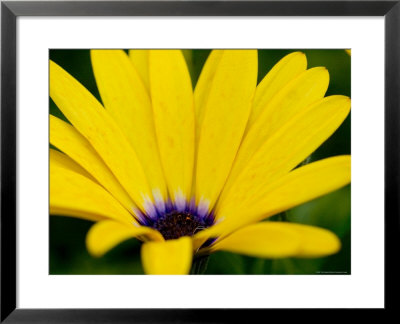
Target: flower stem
(199,265)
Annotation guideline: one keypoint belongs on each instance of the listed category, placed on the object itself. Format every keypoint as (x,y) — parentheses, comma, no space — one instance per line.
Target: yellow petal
(98,127)
(61,160)
(128,102)
(59,211)
(280,75)
(305,90)
(172,99)
(226,112)
(280,240)
(140,59)
(289,146)
(66,138)
(105,235)
(315,241)
(262,240)
(72,194)
(169,257)
(204,85)
(297,187)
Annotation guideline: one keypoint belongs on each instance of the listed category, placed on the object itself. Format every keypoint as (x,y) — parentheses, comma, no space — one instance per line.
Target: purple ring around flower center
(178,224)
(174,221)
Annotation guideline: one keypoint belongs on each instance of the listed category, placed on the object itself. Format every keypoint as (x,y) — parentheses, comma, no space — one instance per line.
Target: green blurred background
(68,254)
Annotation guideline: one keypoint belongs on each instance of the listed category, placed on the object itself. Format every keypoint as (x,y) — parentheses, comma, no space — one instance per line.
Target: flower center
(176,224)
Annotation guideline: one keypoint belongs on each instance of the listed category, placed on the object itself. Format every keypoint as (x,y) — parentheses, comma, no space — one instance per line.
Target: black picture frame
(11,10)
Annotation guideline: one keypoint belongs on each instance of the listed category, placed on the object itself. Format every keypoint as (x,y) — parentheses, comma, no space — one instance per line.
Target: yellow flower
(193,172)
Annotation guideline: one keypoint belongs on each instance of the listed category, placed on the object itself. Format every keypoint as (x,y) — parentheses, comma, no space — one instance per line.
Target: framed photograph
(247,150)
(294,83)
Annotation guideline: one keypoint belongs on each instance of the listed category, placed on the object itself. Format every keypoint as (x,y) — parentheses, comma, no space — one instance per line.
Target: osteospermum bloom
(193,172)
